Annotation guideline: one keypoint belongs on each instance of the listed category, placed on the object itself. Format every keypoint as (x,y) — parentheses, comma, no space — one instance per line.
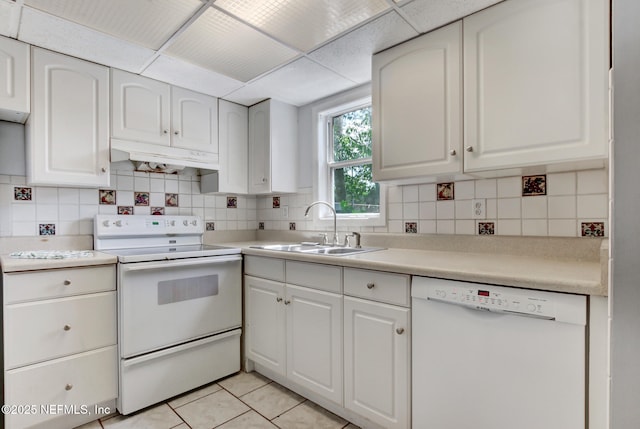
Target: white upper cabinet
(417,107)
(14,80)
(149,111)
(68,130)
(140,108)
(273,155)
(194,120)
(536,83)
(234,148)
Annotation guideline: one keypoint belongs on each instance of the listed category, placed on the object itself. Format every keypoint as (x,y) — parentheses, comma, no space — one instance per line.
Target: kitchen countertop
(10,264)
(526,271)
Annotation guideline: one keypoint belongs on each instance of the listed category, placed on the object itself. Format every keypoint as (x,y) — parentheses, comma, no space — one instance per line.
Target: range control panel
(485,297)
(141,226)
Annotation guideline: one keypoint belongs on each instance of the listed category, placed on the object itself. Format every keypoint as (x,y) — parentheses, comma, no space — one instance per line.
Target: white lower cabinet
(353,351)
(60,353)
(376,361)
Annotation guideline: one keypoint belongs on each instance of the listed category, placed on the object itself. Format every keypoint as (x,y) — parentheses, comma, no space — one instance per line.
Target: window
(342,127)
(349,162)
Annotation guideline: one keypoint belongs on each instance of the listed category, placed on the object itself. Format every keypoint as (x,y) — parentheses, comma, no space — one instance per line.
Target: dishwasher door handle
(491,310)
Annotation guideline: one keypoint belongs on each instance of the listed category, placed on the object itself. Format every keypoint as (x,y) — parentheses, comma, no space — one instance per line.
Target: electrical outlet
(285,212)
(479,208)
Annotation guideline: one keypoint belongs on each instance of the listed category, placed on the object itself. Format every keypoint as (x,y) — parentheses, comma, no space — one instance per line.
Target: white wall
(625,240)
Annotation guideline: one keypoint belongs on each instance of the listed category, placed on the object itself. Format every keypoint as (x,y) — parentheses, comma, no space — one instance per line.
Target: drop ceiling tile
(48,31)
(147,23)
(297,83)
(430,14)
(180,73)
(218,42)
(350,55)
(303,24)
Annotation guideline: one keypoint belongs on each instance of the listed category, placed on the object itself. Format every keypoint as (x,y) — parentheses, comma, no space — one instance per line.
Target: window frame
(322,115)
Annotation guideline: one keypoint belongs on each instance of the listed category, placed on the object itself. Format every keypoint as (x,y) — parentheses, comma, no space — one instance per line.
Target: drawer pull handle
(278,299)
(68,387)
(66,282)
(400,331)
(370,285)
(287,302)
(67,328)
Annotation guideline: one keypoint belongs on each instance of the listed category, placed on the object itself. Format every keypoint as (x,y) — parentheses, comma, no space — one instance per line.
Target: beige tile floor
(242,401)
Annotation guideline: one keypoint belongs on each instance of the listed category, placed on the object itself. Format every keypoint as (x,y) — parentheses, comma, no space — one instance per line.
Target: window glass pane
(354,191)
(352,135)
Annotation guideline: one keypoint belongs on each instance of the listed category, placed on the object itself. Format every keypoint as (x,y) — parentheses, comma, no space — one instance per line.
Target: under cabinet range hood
(161,158)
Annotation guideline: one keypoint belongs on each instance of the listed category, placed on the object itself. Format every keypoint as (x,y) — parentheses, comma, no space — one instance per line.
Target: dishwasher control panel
(496,299)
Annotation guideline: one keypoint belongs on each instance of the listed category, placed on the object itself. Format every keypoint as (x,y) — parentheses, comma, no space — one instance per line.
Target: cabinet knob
(165,132)
(287,302)
(453,152)
(400,331)
(176,132)
(68,387)
(469,148)
(67,327)
(103,169)
(264,180)
(370,285)
(66,282)
(278,299)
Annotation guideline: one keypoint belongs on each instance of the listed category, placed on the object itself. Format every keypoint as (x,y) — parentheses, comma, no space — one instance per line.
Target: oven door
(164,303)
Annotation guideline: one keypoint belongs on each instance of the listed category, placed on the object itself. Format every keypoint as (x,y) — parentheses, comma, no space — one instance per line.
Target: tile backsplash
(37,210)
(570,204)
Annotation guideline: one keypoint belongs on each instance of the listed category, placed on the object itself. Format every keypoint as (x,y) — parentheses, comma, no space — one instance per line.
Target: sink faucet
(335,229)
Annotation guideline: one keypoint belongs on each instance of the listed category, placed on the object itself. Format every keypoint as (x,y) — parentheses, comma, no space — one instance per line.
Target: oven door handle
(179,263)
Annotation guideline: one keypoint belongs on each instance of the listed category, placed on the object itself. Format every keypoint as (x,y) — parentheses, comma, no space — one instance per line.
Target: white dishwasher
(491,357)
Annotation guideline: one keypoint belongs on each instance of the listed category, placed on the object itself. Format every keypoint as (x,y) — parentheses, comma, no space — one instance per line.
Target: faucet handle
(323,235)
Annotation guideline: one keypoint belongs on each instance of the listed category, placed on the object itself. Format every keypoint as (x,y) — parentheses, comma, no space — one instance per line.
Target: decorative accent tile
(486,228)
(141,198)
(232,202)
(210,226)
(47,229)
(445,191)
(292,226)
(125,210)
(411,227)
(107,196)
(171,200)
(260,225)
(534,185)
(592,229)
(276,202)
(22,193)
(158,211)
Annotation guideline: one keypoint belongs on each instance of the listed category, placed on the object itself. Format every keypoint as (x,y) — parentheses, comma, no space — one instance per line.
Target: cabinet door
(14,80)
(314,340)
(265,323)
(376,361)
(417,107)
(259,148)
(68,132)
(234,148)
(140,108)
(194,120)
(536,83)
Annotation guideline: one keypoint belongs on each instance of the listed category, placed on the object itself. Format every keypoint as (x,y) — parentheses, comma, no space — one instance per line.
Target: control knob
(194,222)
(105,223)
(118,223)
(531,307)
(185,222)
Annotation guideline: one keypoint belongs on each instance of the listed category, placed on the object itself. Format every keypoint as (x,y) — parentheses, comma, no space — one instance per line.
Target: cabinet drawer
(317,276)
(377,286)
(267,268)
(79,380)
(44,284)
(37,331)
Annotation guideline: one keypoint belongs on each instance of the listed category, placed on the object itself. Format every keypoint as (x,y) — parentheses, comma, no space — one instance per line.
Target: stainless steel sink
(317,249)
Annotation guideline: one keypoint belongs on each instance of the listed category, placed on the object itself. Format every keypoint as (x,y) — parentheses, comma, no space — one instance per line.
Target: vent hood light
(161,158)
